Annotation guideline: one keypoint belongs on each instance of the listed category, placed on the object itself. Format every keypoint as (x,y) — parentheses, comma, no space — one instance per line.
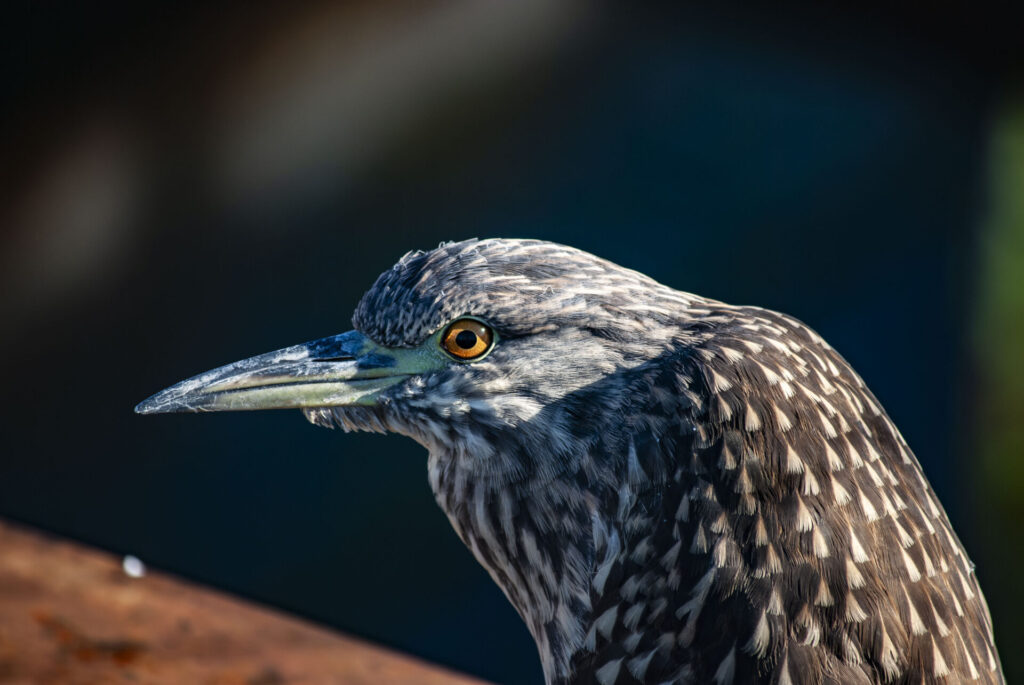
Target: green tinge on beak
(342,370)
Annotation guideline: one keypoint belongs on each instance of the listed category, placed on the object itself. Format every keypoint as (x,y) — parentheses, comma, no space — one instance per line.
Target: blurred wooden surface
(71,615)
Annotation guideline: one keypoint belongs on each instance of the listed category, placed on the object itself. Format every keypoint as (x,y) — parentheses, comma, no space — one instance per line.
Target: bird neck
(534,538)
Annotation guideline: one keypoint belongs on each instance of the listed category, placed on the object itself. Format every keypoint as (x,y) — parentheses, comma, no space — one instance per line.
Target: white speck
(638,666)
(732,355)
(784,422)
(631,642)
(700,540)
(787,389)
(727,669)
(784,677)
(752,346)
(724,408)
(683,512)
(632,616)
(719,383)
(853,611)
(133,566)
(857,549)
(804,522)
(590,643)
(769,375)
(854,578)
(874,476)
(873,454)
(771,560)
(820,545)
(721,552)
(851,654)
(824,597)
(829,429)
(607,674)
(905,539)
(855,458)
(752,421)
(970,661)
(842,497)
(834,462)
(760,533)
(810,484)
(758,645)
(869,509)
(968,593)
(606,623)
(727,460)
(743,485)
(793,462)
(670,557)
(928,565)
(917,626)
(889,657)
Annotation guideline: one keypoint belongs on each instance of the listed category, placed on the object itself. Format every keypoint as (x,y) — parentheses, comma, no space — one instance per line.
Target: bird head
(490,353)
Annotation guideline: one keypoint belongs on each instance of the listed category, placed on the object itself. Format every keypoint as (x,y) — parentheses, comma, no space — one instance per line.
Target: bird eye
(467,339)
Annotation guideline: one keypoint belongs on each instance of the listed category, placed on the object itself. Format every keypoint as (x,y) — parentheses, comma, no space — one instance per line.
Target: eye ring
(467,339)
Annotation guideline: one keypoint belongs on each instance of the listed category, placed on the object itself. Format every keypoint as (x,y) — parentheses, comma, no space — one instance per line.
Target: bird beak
(342,370)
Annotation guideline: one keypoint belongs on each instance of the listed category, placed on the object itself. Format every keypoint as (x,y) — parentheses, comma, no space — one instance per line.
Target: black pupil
(466,339)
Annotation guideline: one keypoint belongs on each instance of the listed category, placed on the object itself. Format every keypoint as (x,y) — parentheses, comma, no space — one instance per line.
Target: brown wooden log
(71,615)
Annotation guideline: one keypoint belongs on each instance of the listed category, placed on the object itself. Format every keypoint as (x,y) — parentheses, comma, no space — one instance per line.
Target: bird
(667,488)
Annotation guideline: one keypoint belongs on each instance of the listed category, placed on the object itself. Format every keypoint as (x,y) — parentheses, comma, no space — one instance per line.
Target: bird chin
(348,419)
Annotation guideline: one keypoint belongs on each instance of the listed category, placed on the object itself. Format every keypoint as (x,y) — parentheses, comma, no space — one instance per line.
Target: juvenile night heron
(668,489)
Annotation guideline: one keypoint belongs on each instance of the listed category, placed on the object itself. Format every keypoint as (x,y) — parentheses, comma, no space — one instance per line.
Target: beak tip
(147,406)
(159,403)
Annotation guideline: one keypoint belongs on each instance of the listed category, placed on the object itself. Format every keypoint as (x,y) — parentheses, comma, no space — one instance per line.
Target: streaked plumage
(670,488)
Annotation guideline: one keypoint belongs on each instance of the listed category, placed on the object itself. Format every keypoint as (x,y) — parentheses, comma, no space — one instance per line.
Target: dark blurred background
(183,187)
